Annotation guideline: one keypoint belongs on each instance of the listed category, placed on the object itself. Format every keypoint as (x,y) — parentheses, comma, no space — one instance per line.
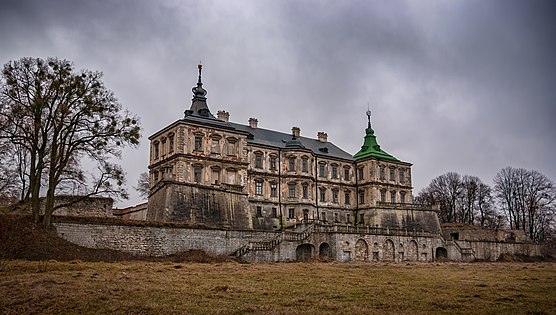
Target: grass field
(32,287)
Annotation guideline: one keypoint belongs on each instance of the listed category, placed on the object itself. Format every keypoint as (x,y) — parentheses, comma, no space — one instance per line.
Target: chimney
(223,115)
(296,131)
(322,136)
(253,122)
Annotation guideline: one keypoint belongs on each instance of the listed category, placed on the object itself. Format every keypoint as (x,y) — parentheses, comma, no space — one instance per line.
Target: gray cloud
(454,86)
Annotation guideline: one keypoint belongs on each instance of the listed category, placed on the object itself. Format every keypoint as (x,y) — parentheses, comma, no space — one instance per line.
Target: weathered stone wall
(75,206)
(475,233)
(157,241)
(404,218)
(137,212)
(191,203)
(327,243)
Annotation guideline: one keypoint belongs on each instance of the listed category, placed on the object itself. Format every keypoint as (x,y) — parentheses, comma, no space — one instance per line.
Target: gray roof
(280,140)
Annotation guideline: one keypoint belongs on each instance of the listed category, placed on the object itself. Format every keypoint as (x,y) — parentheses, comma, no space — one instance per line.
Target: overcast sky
(466,86)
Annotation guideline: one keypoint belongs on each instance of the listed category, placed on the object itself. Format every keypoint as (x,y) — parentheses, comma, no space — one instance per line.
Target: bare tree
(59,117)
(528,200)
(462,199)
(143,185)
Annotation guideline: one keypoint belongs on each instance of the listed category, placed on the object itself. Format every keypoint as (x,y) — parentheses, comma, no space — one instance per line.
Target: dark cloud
(454,86)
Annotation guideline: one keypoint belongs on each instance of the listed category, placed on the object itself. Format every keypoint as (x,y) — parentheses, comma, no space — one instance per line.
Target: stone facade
(208,170)
(306,242)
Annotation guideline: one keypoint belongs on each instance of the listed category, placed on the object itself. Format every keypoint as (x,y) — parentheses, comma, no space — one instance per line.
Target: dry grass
(293,288)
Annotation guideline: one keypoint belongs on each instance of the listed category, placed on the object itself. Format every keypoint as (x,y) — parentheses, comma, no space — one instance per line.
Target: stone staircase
(466,252)
(270,245)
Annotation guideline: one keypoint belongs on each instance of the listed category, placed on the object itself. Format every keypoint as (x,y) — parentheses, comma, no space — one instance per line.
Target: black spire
(198,91)
(199,105)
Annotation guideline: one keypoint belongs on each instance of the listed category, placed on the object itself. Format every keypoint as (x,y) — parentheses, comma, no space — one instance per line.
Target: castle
(264,195)
(206,169)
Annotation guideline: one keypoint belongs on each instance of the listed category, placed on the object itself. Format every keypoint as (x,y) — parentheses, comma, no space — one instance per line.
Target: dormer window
(204,112)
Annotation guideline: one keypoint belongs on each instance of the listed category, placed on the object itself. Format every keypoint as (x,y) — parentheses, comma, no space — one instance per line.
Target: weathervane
(369,113)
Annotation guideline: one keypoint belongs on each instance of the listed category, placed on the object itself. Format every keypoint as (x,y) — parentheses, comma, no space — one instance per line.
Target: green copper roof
(371,148)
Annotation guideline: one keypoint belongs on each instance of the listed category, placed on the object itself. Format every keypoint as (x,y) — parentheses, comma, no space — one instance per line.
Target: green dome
(371,148)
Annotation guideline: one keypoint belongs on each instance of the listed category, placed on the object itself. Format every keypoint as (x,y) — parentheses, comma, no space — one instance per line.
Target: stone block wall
(214,207)
(350,245)
(156,241)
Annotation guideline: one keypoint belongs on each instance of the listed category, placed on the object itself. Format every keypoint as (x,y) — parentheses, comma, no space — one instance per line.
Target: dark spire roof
(199,105)
(370,147)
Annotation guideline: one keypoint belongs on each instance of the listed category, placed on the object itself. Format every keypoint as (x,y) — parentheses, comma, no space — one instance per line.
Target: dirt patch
(20,238)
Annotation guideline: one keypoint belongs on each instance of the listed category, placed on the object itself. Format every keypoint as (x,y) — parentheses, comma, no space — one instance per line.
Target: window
(347,194)
(273,190)
(336,217)
(323,216)
(156,176)
(383,195)
(323,194)
(231,147)
(305,191)
(402,176)
(322,170)
(163,146)
(392,174)
(348,218)
(402,196)
(382,172)
(335,196)
(291,164)
(362,197)
(197,174)
(215,175)
(171,142)
(291,190)
(291,213)
(346,174)
(274,213)
(258,160)
(198,143)
(334,171)
(273,163)
(258,188)
(360,173)
(259,211)
(393,197)
(305,165)
(156,150)
(215,146)
(361,218)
